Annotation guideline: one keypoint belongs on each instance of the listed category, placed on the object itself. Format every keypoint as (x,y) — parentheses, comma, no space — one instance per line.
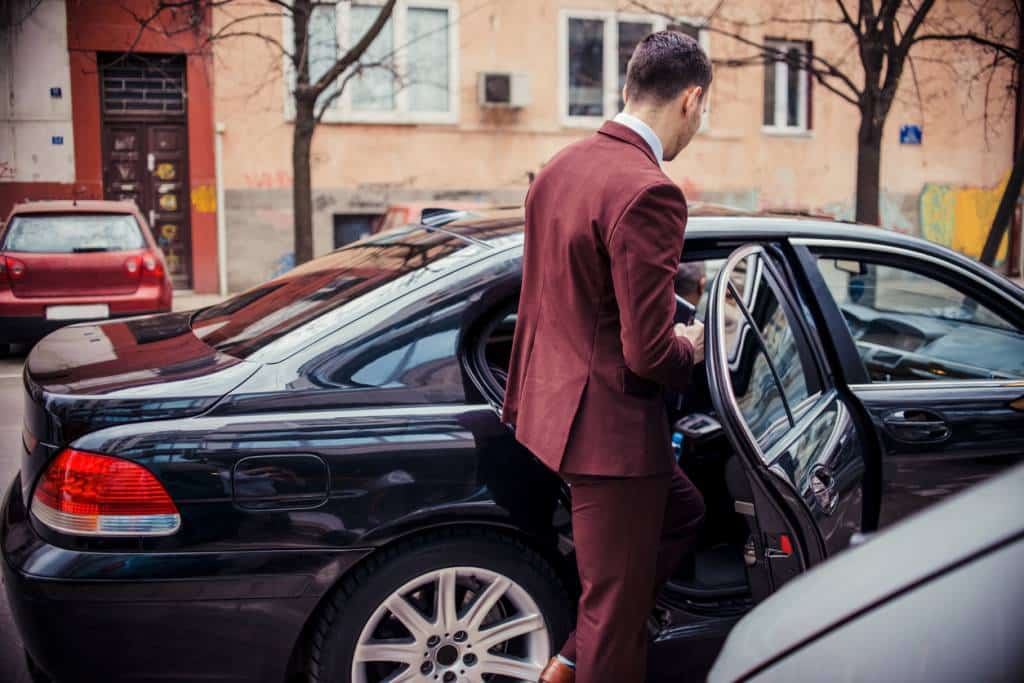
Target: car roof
(75,206)
(714,221)
(898,559)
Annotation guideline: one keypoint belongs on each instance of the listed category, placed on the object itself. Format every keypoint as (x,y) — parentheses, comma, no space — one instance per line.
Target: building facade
(462,102)
(96,107)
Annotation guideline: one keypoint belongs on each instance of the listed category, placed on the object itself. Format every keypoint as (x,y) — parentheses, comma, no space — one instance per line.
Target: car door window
(768,374)
(909,326)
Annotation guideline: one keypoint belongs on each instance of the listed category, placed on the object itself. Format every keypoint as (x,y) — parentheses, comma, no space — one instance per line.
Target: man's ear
(692,97)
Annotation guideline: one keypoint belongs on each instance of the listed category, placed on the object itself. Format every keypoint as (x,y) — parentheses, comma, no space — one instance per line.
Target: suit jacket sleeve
(644,250)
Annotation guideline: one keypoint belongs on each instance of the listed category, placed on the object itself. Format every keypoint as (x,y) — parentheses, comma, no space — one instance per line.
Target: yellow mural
(204,198)
(960,217)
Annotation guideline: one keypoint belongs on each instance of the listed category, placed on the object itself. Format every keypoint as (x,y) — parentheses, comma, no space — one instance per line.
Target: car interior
(715,576)
(909,326)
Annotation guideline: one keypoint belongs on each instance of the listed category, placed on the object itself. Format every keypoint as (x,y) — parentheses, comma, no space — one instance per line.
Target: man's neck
(641,128)
(652,119)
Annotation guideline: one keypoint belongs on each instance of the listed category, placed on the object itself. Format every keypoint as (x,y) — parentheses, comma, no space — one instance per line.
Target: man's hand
(695,333)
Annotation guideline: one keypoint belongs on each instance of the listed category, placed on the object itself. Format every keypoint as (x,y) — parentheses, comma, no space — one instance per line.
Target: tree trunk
(869,161)
(302,188)
(1005,210)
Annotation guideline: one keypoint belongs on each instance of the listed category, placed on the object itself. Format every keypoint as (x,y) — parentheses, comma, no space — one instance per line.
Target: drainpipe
(222,230)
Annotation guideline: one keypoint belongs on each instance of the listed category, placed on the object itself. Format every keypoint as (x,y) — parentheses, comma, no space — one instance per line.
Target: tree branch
(1006,50)
(356,51)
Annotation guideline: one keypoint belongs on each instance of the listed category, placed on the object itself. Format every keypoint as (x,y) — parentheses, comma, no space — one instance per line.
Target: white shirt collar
(644,131)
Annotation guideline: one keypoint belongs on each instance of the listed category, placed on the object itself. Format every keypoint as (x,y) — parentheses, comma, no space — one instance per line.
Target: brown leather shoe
(557,671)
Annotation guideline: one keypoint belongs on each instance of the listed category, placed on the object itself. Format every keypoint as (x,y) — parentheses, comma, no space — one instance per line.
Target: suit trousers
(630,534)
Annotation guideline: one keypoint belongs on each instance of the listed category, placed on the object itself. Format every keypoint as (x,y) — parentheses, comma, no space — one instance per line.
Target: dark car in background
(67,261)
(934,599)
(313,478)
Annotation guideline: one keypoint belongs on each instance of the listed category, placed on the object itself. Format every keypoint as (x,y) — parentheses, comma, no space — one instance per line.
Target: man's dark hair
(664,64)
(688,277)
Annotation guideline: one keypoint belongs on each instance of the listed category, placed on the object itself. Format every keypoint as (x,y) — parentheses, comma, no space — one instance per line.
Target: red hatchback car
(63,262)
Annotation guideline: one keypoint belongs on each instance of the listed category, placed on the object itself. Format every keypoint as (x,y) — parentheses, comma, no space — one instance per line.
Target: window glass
(761,399)
(792,86)
(65,234)
(586,67)
(323,44)
(786,86)
(249,321)
(630,33)
(428,59)
(374,89)
(769,93)
(909,326)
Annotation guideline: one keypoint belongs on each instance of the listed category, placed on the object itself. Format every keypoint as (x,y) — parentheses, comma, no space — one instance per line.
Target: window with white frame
(786,87)
(407,75)
(594,51)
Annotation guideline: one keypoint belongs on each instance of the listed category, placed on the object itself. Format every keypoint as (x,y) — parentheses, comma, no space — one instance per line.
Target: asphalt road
(12,664)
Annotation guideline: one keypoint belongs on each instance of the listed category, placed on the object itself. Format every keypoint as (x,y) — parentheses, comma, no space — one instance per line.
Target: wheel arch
(561,563)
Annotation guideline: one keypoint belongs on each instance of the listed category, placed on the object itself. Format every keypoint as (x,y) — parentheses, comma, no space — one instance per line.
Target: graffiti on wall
(960,217)
(268,179)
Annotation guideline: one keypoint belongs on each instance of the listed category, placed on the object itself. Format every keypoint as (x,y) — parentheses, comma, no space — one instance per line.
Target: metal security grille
(143,84)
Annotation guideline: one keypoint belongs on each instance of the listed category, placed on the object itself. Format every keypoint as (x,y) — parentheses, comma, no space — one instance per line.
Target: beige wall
(488,154)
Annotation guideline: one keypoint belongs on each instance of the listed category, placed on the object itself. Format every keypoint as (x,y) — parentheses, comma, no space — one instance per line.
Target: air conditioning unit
(503,89)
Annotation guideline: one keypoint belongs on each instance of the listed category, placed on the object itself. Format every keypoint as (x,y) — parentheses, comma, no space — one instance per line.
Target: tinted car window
(909,326)
(761,399)
(412,357)
(69,233)
(248,322)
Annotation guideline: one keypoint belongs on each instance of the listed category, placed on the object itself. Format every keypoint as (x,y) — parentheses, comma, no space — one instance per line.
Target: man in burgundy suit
(595,344)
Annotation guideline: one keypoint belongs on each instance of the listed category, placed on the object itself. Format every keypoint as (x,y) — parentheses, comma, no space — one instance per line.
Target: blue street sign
(910,135)
(57,139)
(55,92)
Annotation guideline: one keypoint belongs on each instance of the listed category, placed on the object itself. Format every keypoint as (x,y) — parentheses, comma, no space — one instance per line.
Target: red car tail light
(152,264)
(12,267)
(88,494)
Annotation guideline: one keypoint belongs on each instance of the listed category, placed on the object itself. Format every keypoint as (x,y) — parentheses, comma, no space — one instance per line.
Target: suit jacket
(594,343)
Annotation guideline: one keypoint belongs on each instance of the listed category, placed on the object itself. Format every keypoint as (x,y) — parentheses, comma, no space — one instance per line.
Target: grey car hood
(858,578)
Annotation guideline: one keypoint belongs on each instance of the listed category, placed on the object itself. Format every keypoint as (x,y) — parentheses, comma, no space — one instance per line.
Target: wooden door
(145,148)
(148,164)
(168,197)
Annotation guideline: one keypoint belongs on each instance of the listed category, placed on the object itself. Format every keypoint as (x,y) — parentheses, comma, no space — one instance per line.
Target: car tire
(493,578)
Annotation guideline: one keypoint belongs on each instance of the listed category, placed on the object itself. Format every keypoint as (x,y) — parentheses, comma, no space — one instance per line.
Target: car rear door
(793,430)
(936,359)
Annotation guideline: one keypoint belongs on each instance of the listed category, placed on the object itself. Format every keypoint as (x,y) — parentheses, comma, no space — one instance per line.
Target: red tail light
(131,264)
(97,495)
(152,264)
(12,267)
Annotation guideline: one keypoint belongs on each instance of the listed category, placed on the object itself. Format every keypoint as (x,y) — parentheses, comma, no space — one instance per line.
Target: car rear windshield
(246,323)
(76,232)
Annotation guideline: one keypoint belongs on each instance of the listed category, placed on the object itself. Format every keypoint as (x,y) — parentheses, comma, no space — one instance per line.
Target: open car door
(803,459)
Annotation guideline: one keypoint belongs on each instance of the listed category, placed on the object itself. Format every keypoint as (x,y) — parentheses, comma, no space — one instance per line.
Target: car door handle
(917,425)
(823,487)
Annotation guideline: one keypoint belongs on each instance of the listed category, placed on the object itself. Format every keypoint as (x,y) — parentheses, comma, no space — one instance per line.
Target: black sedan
(312,479)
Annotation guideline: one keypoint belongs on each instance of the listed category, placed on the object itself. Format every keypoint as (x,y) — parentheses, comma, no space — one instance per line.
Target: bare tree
(883,34)
(311,96)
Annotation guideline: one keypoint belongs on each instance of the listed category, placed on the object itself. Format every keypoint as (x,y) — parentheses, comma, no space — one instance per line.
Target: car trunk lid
(89,273)
(85,377)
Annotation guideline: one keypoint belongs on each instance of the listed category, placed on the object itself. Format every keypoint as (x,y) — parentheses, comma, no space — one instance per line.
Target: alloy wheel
(453,625)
